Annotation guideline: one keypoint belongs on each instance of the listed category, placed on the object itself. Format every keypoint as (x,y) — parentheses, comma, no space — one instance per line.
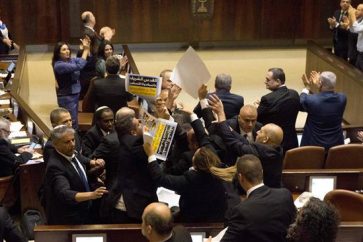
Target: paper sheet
(190,73)
(168,196)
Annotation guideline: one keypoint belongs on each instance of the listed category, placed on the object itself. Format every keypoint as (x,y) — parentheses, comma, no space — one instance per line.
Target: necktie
(341,16)
(81,174)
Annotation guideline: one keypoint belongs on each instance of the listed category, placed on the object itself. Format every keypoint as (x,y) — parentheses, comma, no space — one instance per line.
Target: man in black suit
(110,91)
(280,107)
(267,146)
(157,225)
(8,160)
(134,188)
(104,120)
(266,213)
(67,192)
(340,33)
(89,22)
(60,116)
(246,122)
(232,102)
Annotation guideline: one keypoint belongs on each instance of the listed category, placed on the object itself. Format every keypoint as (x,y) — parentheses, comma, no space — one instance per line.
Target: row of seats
(313,157)
(348,203)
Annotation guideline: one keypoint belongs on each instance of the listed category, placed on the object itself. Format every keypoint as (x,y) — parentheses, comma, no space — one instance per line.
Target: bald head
(125,121)
(157,218)
(270,134)
(247,118)
(88,18)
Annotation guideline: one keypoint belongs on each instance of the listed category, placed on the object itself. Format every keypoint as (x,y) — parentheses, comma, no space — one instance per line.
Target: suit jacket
(340,37)
(270,156)
(91,140)
(49,148)
(323,125)
(281,107)
(8,159)
(202,196)
(264,216)
(62,182)
(133,179)
(232,103)
(110,91)
(8,230)
(108,149)
(233,123)
(180,234)
(96,39)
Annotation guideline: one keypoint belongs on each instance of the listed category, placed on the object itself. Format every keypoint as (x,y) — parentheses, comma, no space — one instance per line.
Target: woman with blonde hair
(202,194)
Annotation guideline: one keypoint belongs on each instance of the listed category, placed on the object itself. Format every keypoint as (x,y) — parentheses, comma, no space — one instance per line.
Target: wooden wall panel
(137,21)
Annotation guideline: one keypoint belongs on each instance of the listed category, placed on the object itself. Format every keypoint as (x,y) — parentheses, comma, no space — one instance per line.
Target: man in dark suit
(232,103)
(323,126)
(267,146)
(60,116)
(280,107)
(104,120)
(8,160)
(134,188)
(89,22)
(157,225)
(110,91)
(266,213)
(67,192)
(246,122)
(340,33)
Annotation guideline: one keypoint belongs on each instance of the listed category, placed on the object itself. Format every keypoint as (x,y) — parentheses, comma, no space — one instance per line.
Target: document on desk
(17,134)
(16,126)
(219,236)
(5,102)
(36,161)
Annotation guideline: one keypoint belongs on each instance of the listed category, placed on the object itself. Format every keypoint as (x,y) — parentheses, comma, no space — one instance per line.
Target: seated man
(67,191)
(8,160)
(266,213)
(157,225)
(104,120)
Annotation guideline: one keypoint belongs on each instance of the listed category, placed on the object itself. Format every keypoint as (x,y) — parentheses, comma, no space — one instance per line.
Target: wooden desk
(114,232)
(297,180)
(31,178)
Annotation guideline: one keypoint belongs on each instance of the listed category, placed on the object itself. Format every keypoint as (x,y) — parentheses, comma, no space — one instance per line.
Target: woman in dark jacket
(202,194)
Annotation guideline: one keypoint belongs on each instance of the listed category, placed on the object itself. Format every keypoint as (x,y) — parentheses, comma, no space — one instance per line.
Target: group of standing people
(73,75)
(347,27)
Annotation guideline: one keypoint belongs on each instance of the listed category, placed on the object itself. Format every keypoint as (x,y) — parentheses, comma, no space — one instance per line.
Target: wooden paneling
(46,21)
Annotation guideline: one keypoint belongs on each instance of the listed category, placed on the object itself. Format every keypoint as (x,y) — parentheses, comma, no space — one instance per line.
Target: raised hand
(217,106)
(202,91)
